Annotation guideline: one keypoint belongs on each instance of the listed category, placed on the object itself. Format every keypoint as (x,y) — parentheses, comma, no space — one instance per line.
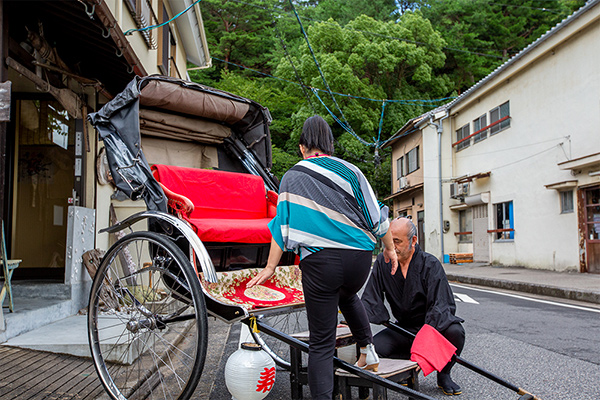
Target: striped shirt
(326,202)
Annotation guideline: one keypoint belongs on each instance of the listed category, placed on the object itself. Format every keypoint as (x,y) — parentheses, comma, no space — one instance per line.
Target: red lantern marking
(266,381)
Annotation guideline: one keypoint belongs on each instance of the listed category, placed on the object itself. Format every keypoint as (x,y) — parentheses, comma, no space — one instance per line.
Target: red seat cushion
(233,230)
(228,206)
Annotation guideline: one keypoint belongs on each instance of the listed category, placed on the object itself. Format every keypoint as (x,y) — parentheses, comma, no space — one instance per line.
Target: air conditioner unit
(403,182)
(454,190)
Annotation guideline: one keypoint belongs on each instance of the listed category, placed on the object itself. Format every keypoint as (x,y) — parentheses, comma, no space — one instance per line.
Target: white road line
(465,298)
(516,296)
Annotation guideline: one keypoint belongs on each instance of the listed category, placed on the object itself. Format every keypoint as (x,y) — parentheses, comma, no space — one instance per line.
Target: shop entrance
(591,225)
(43,182)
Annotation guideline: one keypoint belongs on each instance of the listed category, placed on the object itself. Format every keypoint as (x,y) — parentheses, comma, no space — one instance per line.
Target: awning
(472,177)
(591,160)
(405,191)
(564,185)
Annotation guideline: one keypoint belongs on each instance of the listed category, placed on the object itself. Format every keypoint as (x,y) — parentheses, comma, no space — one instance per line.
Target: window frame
(504,223)
(460,134)
(503,110)
(570,199)
(400,168)
(415,151)
(478,123)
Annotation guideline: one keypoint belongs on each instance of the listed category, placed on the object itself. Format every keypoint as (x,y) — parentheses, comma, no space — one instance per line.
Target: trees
(365,62)
(367,51)
(482,34)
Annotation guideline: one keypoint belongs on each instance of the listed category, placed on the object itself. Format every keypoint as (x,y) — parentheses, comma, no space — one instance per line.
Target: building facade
(516,180)
(61,61)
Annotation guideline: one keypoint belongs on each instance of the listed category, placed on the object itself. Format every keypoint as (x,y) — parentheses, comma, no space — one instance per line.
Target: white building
(519,155)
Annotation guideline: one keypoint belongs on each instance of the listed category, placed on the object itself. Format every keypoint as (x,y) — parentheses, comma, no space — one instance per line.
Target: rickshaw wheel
(147,320)
(287,321)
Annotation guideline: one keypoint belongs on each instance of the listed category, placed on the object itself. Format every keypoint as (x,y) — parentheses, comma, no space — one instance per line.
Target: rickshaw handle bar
(340,363)
(462,361)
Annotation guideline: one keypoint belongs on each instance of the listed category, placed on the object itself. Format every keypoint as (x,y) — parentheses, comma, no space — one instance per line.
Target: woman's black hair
(316,135)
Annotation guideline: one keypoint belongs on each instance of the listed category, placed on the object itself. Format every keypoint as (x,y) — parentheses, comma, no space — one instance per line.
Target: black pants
(390,344)
(331,278)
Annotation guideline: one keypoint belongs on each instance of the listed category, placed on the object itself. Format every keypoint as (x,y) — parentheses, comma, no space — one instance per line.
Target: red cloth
(431,350)
(229,207)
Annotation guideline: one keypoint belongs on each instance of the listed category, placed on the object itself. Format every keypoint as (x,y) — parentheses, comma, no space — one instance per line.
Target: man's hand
(261,277)
(389,254)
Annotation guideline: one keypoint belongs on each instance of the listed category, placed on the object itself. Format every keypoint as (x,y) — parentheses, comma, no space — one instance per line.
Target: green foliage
(481,34)
(282,161)
(372,65)
(377,49)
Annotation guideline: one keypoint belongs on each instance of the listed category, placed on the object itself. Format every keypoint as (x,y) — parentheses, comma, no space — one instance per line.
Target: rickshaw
(154,287)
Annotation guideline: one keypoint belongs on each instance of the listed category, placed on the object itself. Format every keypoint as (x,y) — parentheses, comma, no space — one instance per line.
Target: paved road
(549,348)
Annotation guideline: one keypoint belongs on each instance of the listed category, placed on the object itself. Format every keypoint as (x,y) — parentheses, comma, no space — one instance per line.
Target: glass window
(400,167)
(566,201)
(413,159)
(465,224)
(462,133)
(505,221)
(479,123)
(498,113)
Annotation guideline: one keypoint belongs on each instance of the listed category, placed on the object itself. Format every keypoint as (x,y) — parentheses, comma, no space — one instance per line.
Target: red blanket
(431,350)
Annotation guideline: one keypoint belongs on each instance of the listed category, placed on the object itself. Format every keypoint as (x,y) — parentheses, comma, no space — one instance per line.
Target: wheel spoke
(142,342)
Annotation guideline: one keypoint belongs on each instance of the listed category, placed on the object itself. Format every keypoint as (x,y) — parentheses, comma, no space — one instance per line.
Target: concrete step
(32,313)
(47,290)
(65,336)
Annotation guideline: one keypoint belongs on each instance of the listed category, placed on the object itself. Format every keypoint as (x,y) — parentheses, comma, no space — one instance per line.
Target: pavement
(571,286)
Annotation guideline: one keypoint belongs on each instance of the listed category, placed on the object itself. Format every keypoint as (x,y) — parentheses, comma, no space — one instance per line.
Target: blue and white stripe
(326,202)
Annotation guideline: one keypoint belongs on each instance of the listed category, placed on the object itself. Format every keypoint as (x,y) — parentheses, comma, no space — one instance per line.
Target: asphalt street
(550,348)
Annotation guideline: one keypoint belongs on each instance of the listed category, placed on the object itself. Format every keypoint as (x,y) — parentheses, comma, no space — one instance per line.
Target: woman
(328,215)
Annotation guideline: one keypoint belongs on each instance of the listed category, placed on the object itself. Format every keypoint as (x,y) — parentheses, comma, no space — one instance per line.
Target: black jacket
(424,297)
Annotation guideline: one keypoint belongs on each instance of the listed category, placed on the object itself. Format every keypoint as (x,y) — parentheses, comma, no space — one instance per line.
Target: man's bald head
(404,226)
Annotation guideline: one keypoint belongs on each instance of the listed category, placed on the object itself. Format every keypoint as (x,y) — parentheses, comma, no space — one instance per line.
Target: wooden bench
(459,258)
(394,370)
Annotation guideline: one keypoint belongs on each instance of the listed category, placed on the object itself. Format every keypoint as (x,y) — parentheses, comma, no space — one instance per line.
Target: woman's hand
(275,254)
(261,277)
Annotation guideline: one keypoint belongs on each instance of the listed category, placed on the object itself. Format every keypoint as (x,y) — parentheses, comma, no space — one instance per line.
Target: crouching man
(418,293)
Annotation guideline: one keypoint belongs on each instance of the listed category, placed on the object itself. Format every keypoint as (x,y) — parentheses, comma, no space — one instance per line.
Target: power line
(421,102)
(148,28)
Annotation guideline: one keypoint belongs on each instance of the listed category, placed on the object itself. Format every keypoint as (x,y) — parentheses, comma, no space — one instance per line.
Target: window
(413,160)
(465,224)
(462,133)
(167,49)
(142,14)
(497,114)
(566,202)
(400,167)
(504,220)
(479,123)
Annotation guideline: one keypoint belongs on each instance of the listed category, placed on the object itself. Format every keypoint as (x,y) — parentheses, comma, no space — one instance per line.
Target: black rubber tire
(142,280)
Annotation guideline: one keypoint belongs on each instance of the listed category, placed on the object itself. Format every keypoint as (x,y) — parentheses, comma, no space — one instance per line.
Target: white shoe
(372,360)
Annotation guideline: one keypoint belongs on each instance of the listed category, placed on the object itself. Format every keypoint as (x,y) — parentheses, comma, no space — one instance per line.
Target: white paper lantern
(249,373)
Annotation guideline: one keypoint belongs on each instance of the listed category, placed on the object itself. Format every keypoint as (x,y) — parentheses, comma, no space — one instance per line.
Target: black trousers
(390,344)
(331,278)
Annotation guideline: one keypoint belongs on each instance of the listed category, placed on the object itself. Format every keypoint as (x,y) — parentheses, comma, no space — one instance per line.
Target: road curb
(545,290)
